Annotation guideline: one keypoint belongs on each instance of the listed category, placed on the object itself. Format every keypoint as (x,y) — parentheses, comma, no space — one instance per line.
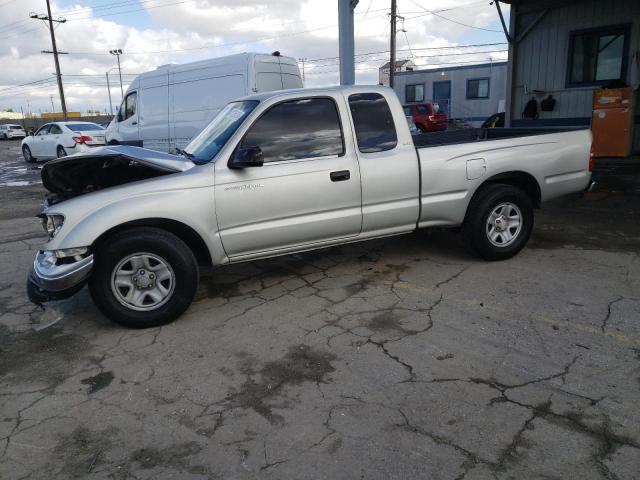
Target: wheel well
(521,180)
(185,233)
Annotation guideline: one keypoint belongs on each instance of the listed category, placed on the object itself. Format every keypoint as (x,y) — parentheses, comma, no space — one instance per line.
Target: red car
(427,116)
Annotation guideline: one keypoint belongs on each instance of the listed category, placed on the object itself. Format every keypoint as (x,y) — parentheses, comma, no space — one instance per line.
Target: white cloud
(184,28)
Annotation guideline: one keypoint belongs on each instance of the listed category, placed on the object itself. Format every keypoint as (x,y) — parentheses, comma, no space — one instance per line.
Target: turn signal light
(592,160)
(82,139)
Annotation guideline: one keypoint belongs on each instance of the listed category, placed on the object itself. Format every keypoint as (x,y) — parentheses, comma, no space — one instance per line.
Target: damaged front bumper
(49,280)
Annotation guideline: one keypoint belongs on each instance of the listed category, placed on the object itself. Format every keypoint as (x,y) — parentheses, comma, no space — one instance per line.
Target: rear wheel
(143,277)
(61,152)
(499,222)
(26,153)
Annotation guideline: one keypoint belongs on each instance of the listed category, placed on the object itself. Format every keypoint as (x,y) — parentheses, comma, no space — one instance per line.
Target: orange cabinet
(612,122)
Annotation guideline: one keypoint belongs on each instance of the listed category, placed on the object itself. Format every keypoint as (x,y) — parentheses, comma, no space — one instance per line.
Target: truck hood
(106,167)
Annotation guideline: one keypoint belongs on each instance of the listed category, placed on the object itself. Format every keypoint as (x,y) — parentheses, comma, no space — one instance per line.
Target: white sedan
(59,139)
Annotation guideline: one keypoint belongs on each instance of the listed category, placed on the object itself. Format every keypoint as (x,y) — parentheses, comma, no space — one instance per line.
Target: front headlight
(52,223)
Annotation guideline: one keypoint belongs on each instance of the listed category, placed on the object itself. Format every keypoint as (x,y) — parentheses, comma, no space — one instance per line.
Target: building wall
(542,57)
(474,111)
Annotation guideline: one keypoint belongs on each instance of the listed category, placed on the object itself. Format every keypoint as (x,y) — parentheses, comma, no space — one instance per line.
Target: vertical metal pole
(55,58)
(346,42)
(392,46)
(120,73)
(510,100)
(109,90)
(53,108)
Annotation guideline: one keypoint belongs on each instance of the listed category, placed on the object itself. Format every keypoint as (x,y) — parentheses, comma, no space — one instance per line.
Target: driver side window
(128,107)
(297,129)
(44,130)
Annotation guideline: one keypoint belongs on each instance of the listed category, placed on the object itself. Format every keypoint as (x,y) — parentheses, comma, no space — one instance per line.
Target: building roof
(501,63)
(399,63)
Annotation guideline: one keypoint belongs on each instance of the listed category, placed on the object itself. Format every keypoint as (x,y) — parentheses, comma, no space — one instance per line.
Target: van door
(153,111)
(276,73)
(308,190)
(128,120)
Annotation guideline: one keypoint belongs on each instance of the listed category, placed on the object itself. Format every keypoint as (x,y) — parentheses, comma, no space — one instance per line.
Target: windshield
(83,127)
(208,143)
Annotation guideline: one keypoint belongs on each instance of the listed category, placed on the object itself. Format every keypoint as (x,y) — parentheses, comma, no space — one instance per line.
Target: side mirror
(31,133)
(246,157)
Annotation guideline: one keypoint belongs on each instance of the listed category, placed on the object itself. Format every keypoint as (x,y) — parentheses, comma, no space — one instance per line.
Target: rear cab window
(312,127)
(373,122)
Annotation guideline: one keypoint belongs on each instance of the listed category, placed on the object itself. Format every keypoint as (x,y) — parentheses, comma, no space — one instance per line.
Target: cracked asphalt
(398,358)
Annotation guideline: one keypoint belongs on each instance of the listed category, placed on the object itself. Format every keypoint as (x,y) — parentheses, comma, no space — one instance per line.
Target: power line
(448,47)
(451,20)
(243,42)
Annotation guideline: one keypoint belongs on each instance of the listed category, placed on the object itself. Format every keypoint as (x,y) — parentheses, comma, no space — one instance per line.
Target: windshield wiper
(190,156)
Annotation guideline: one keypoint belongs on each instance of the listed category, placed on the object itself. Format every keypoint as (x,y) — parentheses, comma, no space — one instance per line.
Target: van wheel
(143,277)
(26,153)
(61,152)
(499,222)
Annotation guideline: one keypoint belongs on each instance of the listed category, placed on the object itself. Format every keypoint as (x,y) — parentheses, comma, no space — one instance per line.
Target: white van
(165,108)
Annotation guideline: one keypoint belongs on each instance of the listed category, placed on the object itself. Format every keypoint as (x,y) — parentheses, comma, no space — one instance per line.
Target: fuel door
(476,168)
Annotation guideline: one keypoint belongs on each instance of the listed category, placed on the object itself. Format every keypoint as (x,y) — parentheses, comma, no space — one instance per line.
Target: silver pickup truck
(285,172)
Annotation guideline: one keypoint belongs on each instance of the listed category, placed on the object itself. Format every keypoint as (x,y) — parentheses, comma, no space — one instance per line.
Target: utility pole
(392,47)
(109,90)
(55,52)
(346,41)
(117,53)
(53,108)
(302,60)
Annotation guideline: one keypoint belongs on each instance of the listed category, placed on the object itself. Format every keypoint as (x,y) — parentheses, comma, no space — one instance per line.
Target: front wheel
(26,153)
(499,222)
(143,277)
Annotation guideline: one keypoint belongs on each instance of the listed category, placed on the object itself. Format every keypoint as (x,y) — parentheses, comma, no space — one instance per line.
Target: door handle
(340,175)
(134,123)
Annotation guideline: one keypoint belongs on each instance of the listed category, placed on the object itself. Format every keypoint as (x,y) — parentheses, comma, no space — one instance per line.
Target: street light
(117,53)
(109,90)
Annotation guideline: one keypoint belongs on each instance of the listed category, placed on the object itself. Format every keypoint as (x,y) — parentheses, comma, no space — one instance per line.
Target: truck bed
(452,137)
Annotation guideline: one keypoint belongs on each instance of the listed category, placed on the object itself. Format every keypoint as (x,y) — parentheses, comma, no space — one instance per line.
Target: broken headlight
(52,223)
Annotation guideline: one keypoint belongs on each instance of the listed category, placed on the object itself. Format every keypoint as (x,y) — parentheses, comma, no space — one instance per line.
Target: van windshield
(206,145)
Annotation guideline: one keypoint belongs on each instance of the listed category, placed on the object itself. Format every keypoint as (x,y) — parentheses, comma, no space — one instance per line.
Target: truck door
(306,193)
(389,169)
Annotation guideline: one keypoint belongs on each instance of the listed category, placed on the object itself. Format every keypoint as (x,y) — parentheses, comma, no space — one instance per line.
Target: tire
(61,152)
(26,153)
(132,251)
(421,128)
(485,232)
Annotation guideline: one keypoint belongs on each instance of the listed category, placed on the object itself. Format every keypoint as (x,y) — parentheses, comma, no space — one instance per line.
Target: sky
(158,32)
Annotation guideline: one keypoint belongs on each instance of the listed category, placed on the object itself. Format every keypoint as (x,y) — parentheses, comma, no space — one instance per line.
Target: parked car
(59,139)
(10,131)
(427,116)
(165,108)
(279,173)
